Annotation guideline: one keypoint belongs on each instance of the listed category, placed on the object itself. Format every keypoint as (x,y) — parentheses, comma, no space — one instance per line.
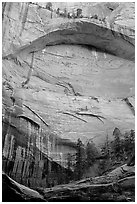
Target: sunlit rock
(82,72)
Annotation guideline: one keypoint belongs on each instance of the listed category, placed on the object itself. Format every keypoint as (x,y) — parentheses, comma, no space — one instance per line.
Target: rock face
(72,87)
(15,192)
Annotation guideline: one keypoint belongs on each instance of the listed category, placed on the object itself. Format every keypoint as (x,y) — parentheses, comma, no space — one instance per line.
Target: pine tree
(49,6)
(117,144)
(91,153)
(65,12)
(80,160)
(107,147)
(69,166)
(129,142)
(105,162)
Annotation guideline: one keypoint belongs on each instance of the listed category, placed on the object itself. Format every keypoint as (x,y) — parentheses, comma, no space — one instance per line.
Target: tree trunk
(113,187)
(116,186)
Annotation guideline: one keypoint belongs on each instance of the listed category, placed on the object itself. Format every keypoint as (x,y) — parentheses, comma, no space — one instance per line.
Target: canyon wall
(63,79)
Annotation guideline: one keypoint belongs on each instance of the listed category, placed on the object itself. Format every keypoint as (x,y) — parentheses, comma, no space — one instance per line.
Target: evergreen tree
(80,160)
(49,6)
(105,162)
(69,166)
(65,12)
(107,147)
(91,153)
(117,144)
(79,13)
(121,150)
(129,142)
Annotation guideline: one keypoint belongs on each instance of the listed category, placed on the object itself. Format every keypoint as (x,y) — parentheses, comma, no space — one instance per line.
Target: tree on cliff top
(49,6)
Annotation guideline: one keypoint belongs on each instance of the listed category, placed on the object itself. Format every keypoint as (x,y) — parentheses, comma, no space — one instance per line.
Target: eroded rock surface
(41,119)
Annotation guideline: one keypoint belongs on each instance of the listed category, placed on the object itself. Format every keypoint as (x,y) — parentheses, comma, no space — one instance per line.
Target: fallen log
(113,187)
(110,187)
(86,192)
(128,182)
(15,192)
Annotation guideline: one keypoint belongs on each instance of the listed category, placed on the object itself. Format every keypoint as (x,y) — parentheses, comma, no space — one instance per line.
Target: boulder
(15,192)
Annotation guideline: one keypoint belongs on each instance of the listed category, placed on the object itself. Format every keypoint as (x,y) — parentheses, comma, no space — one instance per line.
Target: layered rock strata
(62,80)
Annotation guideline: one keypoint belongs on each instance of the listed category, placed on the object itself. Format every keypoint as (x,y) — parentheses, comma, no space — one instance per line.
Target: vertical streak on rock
(7,140)
(38,135)
(16,169)
(6,146)
(3,9)
(23,167)
(21,9)
(25,15)
(40,147)
(5,25)
(11,147)
(29,138)
(48,153)
(3,136)
(34,141)
(53,145)
(25,164)
(20,163)
(9,7)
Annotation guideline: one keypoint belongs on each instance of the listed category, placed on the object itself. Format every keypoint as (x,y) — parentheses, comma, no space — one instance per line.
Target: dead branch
(67,113)
(39,30)
(69,87)
(128,182)
(63,84)
(73,90)
(94,98)
(41,20)
(54,81)
(29,72)
(36,115)
(50,79)
(57,55)
(91,115)
(130,105)
(12,57)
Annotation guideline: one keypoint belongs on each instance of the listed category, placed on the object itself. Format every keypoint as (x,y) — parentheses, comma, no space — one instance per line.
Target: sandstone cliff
(63,80)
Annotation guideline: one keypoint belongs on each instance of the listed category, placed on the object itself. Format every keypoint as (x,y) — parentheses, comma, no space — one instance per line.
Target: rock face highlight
(62,80)
(85,32)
